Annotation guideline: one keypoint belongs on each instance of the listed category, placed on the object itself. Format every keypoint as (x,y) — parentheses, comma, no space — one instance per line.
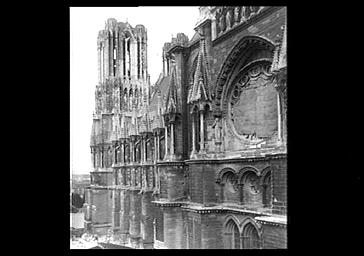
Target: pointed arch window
(251,238)
(232,235)
(136,97)
(130,99)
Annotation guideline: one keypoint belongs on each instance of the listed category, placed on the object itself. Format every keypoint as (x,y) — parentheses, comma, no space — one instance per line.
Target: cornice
(178,163)
(235,160)
(97,172)
(272,223)
(134,166)
(187,206)
(176,48)
(193,46)
(203,23)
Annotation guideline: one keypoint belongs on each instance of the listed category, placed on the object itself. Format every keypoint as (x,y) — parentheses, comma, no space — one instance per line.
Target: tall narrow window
(138,58)
(124,64)
(124,177)
(125,99)
(120,98)
(115,155)
(114,61)
(102,63)
(102,159)
(129,59)
(136,94)
(130,99)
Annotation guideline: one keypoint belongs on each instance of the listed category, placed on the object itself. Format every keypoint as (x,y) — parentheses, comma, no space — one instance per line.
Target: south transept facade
(199,159)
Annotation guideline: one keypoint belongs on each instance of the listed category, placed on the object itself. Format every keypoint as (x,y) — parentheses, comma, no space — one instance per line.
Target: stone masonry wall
(274,237)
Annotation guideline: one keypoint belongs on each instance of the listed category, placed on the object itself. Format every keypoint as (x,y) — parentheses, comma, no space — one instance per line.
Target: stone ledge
(274,220)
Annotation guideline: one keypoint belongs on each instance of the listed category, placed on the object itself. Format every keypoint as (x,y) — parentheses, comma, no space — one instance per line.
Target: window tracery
(252,108)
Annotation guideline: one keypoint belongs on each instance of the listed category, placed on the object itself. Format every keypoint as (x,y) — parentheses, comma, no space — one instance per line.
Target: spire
(172,98)
(199,90)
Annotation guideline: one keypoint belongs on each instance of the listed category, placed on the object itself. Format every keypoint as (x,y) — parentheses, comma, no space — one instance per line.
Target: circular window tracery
(252,108)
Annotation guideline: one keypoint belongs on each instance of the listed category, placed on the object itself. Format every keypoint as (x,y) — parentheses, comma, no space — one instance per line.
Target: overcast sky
(85,22)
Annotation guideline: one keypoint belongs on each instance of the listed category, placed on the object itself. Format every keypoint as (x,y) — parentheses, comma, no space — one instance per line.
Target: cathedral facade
(199,159)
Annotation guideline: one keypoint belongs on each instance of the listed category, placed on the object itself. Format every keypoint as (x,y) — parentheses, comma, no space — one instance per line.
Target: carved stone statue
(236,14)
(228,19)
(243,14)
(217,127)
(221,22)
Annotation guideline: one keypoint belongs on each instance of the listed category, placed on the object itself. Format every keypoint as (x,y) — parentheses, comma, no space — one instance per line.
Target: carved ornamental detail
(231,16)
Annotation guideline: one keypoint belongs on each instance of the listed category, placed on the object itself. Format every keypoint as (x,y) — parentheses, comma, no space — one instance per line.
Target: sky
(85,22)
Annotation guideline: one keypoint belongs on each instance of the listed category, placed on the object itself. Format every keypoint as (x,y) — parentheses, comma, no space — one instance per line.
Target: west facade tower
(121,96)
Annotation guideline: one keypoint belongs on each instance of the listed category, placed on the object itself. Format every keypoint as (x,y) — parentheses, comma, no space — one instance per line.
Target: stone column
(202,132)
(172,140)
(93,157)
(96,158)
(133,53)
(120,55)
(166,141)
(145,149)
(122,159)
(99,62)
(116,45)
(102,65)
(213,29)
(241,193)
(111,53)
(222,192)
(142,149)
(145,60)
(193,135)
(141,71)
(131,151)
(158,148)
(107,56)
(155,148)
(279,118)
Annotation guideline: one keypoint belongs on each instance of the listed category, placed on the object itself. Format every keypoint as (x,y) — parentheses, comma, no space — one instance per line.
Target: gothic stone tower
(120,99)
